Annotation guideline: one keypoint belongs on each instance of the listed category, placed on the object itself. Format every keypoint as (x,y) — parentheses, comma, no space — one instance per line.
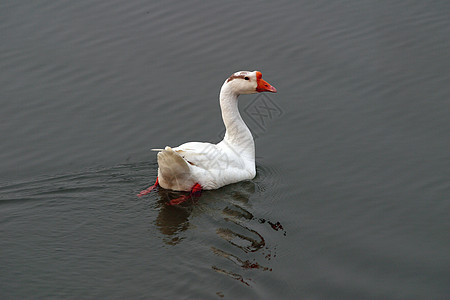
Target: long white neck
(237,134)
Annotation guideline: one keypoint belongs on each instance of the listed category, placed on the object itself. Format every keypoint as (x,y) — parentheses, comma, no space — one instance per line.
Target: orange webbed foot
(148,190)
(195,193)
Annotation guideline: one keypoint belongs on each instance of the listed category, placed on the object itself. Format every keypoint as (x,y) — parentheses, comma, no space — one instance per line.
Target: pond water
(351,198)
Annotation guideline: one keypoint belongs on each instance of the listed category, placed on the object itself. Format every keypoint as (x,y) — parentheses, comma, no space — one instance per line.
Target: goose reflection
(172,220)
(229,208)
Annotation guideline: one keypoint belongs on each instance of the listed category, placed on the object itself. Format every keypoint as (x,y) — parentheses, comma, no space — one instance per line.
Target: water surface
(351,196)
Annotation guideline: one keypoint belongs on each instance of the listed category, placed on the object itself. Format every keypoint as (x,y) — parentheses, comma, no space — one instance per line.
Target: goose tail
(174,172)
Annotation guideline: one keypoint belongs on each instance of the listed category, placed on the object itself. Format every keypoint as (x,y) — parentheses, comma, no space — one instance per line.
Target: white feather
(214,165)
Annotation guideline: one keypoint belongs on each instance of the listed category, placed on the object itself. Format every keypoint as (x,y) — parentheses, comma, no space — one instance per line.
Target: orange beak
(263,86)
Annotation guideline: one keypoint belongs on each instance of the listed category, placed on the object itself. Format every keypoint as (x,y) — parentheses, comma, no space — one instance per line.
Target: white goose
(194,166)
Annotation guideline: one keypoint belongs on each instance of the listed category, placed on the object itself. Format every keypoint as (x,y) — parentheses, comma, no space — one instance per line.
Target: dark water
(351,200)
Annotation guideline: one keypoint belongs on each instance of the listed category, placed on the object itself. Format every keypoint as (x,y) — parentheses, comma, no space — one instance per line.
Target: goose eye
(246,78)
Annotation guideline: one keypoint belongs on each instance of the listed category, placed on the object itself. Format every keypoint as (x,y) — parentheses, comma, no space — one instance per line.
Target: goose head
(246,82)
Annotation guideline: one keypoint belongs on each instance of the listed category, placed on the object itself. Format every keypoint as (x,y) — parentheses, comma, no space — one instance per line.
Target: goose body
(211,166)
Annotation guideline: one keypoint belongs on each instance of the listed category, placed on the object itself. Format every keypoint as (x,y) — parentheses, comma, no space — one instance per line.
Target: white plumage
(215,165)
